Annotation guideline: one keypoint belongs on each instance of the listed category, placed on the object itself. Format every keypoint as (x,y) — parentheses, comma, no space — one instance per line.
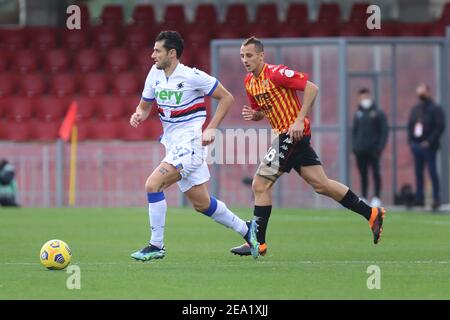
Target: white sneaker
(375,203)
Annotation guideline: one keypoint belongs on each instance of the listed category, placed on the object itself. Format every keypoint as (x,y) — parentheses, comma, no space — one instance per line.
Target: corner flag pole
(69,129)
(73,165)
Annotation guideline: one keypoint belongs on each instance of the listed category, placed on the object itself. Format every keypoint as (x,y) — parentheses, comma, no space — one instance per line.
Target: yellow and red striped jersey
(274,93)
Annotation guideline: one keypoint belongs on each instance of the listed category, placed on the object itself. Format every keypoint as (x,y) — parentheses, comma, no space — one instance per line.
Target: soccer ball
(55,255)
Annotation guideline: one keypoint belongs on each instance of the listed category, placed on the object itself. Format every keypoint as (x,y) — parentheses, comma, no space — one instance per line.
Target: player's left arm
(310,93)
(226,100)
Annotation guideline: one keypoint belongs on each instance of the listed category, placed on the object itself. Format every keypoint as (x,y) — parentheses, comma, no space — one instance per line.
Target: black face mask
(423,98)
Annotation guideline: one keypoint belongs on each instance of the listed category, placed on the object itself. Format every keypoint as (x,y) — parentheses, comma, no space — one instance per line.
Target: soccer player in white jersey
(179,92)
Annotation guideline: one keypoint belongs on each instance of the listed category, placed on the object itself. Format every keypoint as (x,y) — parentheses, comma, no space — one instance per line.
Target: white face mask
(366,103)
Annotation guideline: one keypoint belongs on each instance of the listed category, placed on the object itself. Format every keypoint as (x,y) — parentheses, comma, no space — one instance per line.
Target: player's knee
(200,206)
(320,186)
(258,187)
(152,186)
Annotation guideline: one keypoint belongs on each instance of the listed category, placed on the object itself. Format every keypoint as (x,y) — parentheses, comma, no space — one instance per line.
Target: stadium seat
(203,60)
(63,84)
(414,29)
(4,105)
(104,130)
(267,14)
(174,15)
(109,108)
(261,31)
(297,14)
(18,131)
(43,38)
(83,129)
(287,30)
(94,84)
(197,37)
(388,29)
(321,29)
(144,15)
(51,108)
(112,15)
(75,39)
(206,15)
(138,37)
(13,39)
(8,83)
(358,13)
(149,130)
(4,61)
(32,84)
(25,61)
(88,60)
(226,31)
(437,29)
(352,29)
(118,59)
(85,16)
(236,15)
(86,108)
(106,37)
(130,103)
(45,130)
(20,109)
(329,13)
(125,84)
(56,60)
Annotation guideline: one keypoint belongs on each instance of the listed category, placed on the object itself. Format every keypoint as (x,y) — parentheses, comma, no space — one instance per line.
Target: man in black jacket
(425,127)
(370,132)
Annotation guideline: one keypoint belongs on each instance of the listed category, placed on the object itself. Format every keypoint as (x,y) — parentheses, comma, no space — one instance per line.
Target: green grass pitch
(313,254)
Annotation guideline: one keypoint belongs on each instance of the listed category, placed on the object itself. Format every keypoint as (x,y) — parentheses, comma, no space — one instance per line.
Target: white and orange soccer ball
(55,255)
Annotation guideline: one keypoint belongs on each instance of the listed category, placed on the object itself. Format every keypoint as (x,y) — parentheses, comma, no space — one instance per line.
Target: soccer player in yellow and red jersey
(271,90)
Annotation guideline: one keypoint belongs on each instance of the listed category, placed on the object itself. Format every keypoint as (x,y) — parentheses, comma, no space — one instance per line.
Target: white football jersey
(181,101)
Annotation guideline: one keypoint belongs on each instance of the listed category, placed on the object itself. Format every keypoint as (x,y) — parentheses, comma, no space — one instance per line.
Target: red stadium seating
(63,84)
(51,108)
(414,29)
(143,60)
(4,61)
(8,83)
(56,60)
(205,15)
(83,129)
(43,38)
(45,130)
(88,60)
(352,29)
(321,29)
(94,84)
(112,15)
(75,39)
(359,13)
(149,130)
(388,29)
(138,37)
(144,15)
(174,15)
(130,103)
(106,37)
(18,131)
(85,16)
(267,14)
(261,31)
(227,31)
(25,61)
(104,130)
(329,13)
(297,14)
(236,15)
(32,84)
(109,108)
(4,105)
(20,109)
(287,30)
(125,84)
(86,108)
(118,59)
(13,39)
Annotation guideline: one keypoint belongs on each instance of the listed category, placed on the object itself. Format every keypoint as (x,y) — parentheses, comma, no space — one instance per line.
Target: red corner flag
(69,119)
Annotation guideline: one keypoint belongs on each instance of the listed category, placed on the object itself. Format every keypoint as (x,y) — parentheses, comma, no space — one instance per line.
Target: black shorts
(284,155)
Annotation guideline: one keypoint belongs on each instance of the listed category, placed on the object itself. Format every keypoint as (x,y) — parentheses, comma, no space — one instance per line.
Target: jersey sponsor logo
(289,73)
(167,95)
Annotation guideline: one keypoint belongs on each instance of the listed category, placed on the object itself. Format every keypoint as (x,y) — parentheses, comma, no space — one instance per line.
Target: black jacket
(432,118)
(370,130)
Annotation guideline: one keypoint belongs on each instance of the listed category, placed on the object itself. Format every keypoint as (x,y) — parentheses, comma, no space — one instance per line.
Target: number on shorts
(270,154)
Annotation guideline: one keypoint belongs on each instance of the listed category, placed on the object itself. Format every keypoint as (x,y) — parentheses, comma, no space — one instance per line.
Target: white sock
(224,216)
(157,209)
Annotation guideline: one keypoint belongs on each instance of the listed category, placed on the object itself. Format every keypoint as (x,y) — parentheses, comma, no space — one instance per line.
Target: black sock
(262,215)
(351,201)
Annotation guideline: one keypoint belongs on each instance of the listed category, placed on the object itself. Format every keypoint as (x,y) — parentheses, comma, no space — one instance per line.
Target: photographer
(8,185)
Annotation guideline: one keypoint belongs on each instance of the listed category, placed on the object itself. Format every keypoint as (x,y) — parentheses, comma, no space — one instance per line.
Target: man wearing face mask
(425,127)
(370,131)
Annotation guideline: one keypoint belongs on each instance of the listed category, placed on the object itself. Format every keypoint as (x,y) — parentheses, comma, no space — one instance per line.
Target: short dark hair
(172,40)
(253,40)
(364,91)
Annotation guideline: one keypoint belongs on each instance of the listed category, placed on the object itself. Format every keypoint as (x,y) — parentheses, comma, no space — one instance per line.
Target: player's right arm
(144,106)
(251,113)
(142,113)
